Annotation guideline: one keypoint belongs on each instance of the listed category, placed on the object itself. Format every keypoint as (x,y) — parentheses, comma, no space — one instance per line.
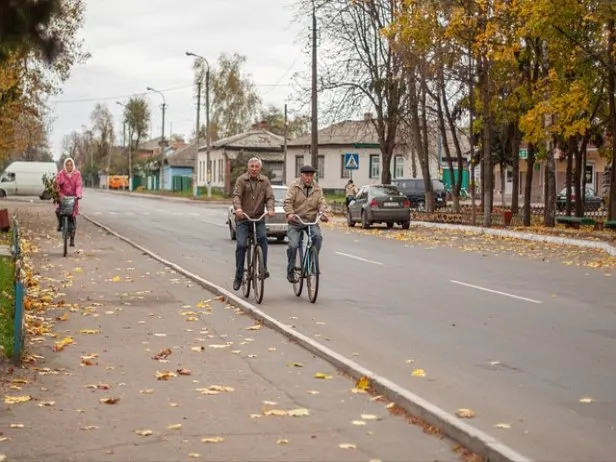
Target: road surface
(518,341)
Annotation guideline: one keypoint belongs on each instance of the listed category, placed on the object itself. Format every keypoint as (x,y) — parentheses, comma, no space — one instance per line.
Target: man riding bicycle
(304,198)
(251,195)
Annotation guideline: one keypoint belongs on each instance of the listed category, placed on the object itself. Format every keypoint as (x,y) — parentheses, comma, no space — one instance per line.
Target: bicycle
(67,206)
(309,258)
(254,259)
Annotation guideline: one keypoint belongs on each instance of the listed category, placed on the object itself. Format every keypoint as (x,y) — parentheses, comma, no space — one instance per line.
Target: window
(299,163)
(398,167)
(375,166)
(321,167)
(221,171)
(344,173)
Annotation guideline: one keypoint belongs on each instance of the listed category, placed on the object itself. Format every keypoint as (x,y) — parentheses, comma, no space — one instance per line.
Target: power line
(284,75)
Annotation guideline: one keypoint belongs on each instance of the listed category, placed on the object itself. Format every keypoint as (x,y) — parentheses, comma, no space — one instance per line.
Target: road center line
(495,292)
(360,258)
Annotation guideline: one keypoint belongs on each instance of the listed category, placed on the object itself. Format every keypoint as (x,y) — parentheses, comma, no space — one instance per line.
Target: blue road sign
(351,161)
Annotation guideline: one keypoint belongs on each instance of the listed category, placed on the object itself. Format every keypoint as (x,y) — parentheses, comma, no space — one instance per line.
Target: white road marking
(355,257)
(214,223)
(496,292)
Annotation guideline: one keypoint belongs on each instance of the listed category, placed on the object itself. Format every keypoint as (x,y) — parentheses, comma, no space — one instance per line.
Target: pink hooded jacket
(70,184)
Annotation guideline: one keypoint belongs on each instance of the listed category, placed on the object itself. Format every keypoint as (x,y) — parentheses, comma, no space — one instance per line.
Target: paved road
(518,341)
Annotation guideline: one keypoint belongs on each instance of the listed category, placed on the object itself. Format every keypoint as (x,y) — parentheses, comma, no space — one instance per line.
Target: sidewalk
(214,393)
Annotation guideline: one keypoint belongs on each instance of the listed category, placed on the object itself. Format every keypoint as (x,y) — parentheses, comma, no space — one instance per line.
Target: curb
(606,247)
(491,449)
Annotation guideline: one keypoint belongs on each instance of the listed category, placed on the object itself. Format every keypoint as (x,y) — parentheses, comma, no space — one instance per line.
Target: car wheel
(390,224)
(406,224)
(350,223)
(2,194)
(231,232)
(46,196)
(280,238)
(364,221)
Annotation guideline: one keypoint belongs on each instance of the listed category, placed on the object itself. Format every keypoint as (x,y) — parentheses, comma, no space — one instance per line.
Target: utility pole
(196,167)
(162,152)
(314,148)
(284,161)
(207,133)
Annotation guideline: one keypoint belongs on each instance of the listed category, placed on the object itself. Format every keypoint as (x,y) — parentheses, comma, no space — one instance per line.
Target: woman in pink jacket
(69,183)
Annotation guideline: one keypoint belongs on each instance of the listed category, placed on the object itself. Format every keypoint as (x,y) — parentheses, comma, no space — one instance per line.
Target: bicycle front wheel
(258,272)
(298,285)
(312,275)
(247,279)
(65,233)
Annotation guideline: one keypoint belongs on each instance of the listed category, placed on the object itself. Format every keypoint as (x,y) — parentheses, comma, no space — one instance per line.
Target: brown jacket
(305,205)
(350,190)
(253,199)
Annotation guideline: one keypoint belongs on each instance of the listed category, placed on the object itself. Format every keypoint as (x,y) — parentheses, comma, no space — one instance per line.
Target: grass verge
(7,301)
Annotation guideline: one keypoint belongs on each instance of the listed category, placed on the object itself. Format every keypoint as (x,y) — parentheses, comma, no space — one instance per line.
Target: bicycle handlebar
(319,215)
(254,219)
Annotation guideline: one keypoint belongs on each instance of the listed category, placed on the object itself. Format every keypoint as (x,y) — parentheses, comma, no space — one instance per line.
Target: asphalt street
(521,342)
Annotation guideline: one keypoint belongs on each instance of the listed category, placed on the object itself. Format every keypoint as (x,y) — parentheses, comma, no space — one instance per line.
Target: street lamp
(130,150)
(162,141)
(207,123)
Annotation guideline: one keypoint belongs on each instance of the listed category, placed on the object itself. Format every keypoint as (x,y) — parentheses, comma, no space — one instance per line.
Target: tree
(137,118)
(360,69)
(102,128)
(234,102)
(274,117)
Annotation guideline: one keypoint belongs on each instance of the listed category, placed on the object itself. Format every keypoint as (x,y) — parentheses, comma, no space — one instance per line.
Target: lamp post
(162,141)
(207,123)
(130,149)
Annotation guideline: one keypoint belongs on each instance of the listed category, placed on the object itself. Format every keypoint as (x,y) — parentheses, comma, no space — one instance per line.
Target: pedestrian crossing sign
(351,161)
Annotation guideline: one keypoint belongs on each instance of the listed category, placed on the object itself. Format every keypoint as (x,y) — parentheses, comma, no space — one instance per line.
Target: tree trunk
(515,157)
(503,180)
(425,167)
(569,175)
(528,185)
(416,128)
(577,178)
(486,169)
(611,87)
(549,215)
(455,189)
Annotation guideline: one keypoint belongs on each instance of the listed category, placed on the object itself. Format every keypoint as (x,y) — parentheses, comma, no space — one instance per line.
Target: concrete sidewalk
(215,391)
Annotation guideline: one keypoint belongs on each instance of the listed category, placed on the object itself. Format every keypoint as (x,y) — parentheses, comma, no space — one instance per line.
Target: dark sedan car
(379,204)
(415,190)
(592,202)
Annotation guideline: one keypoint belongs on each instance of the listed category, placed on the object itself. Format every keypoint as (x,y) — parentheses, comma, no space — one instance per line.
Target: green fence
(19,335)
(181,183)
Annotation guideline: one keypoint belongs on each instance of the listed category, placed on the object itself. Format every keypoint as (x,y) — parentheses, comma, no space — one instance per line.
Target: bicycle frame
(254,261)
(306,255)
(68,223)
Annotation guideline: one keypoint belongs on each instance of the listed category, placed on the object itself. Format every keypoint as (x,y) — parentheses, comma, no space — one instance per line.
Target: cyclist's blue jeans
(241,236)
(294,235)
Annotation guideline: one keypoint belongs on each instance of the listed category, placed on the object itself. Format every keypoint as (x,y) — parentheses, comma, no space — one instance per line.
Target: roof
(250,140)
(183,157)
(150,145)
(347,132)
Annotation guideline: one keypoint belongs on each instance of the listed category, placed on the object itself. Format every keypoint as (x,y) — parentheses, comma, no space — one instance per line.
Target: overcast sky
(140,43)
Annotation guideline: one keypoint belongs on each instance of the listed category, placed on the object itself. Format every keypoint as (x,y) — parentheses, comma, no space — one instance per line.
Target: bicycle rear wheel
(258,271)
(299,279)
(312,275)
(65,233)
(247,279)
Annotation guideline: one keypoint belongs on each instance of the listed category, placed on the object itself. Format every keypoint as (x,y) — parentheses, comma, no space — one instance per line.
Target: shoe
(237,283)
(266,274)
(72,243)
(291,277)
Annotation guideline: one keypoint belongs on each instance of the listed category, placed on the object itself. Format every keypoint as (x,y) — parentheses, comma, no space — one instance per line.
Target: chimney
(367,116)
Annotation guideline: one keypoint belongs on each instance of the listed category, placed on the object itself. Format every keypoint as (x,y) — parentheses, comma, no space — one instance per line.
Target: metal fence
(19,335)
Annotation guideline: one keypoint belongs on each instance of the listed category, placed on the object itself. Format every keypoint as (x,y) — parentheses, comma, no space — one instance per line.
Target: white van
(22,178)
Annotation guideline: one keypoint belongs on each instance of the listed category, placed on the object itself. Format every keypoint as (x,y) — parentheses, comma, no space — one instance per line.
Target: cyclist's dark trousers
(294,235)
(73,219)
(241,236)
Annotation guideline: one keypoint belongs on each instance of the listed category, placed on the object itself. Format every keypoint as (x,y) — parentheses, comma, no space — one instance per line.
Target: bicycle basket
(67,206)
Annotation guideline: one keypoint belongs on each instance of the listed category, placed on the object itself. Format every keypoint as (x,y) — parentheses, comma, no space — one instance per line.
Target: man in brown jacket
(251,195)
(304,198)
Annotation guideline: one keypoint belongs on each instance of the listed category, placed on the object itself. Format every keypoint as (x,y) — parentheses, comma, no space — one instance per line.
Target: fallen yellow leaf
(465,413)
(144,432)
(16,399)
(321,375)
(255,327)
(116,279)
(418,373)
(90,427)
(502,425)
(370,417)
(358,422)
(275,412)
(46,403)
(215,439)
(295,364)
(194,455)
(347,446)
(586,400)
(282,442)
(174,427)
(165,375)
(89,331)
(17,425)
(59,346)
(109,400)
(301,412)
(363,383)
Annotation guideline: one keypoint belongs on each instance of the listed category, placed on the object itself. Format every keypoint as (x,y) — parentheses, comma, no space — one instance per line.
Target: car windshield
(386,190)
(279,194)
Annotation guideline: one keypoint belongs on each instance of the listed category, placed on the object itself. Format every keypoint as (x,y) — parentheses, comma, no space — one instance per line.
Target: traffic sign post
(351,161)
